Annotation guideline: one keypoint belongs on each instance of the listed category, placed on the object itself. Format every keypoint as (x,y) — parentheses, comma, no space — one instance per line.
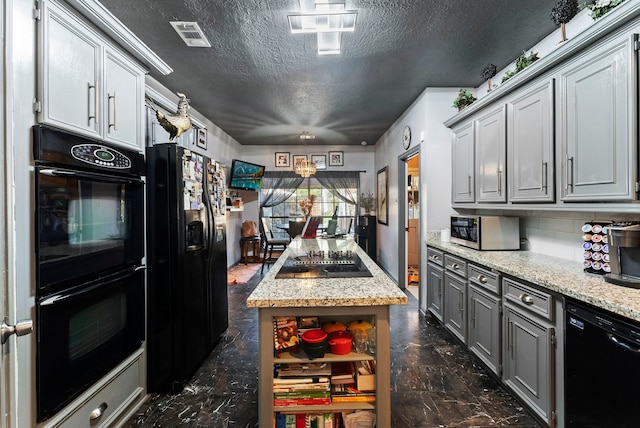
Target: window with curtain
(331,191)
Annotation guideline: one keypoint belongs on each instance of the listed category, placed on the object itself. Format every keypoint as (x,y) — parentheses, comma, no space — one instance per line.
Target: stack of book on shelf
(308,420)
(302,384)
(344,387)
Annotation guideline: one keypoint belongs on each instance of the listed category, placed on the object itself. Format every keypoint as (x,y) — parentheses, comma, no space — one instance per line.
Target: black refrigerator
(187,308)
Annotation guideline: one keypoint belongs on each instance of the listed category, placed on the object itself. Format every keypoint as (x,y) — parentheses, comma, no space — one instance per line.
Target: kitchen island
(340,299)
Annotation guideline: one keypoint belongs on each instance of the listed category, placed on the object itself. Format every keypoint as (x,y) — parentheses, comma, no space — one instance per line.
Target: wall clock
(406,137)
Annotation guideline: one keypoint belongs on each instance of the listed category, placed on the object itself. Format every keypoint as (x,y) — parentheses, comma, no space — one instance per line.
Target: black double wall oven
(89,229)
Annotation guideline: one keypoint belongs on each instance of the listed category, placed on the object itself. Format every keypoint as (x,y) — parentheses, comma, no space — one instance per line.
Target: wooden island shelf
(327,298)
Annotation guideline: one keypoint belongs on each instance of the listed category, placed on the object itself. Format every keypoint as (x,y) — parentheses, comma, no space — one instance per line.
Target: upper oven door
(87,224)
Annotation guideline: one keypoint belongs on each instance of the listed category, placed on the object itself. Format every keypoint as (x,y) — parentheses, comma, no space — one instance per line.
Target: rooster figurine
(175,124)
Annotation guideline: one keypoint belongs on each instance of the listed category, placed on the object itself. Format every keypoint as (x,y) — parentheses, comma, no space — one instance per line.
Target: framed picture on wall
(320,161)
(336,158)
(382,186)
(298,158)
(283,159)
(201,138)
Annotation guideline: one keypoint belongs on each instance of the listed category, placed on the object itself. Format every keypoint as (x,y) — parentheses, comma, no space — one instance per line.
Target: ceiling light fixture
(306,136)
(328,21)
(305,167)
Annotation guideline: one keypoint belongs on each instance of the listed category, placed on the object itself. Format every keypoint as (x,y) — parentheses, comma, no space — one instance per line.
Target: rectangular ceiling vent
(191,33)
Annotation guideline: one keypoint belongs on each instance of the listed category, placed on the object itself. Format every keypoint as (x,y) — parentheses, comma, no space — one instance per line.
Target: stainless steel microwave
(486,232)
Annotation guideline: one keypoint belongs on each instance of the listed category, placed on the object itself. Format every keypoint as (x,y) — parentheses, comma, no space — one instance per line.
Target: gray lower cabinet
(529,347)
(530,139)
(596,123)
(455,292)
(484,306)
(435,282)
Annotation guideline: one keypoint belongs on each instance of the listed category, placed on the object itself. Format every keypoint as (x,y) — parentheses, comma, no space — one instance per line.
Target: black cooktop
(321,264)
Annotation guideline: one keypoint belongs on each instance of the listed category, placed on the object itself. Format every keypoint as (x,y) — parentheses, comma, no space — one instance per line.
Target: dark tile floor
(435,382)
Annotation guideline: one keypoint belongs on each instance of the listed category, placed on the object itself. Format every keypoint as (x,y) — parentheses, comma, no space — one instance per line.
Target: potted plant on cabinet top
(367,202)
(563,12)
(601,7)
(465,97)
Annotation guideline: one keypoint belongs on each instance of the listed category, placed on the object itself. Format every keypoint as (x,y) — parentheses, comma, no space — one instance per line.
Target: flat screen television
(246,175)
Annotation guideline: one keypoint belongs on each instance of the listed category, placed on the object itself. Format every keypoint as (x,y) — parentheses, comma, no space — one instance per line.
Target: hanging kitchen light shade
(305,168)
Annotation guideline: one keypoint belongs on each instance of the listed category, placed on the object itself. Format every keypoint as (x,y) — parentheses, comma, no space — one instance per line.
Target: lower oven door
(85,332)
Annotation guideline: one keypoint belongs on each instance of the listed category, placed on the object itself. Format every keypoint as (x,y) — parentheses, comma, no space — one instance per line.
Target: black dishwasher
(602,369)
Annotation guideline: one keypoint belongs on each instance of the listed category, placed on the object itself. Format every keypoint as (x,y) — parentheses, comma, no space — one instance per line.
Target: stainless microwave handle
(88,176)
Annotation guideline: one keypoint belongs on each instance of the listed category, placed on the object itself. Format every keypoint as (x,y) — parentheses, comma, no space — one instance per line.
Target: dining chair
(270,243)
(295,228)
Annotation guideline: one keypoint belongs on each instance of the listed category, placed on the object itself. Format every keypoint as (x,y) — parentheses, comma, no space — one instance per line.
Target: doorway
(409,226)
(413,224)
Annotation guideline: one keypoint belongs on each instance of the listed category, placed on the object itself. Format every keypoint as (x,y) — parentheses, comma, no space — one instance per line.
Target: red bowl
(340,342)
(314,336)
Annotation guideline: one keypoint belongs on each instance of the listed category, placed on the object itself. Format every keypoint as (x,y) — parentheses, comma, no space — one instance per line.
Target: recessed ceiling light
(363,143)
(191,34)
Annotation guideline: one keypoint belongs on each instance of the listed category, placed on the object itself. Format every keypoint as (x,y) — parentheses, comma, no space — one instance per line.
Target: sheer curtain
(345,185)
(278,186)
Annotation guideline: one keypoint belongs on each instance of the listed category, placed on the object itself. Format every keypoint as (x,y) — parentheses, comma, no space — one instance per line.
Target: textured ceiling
(263,85)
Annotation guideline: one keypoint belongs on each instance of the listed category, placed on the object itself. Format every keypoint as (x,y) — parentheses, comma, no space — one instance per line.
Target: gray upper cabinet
(462,166)
(86,84)
(530,139)
(69,71)
(597,123)
(491,152)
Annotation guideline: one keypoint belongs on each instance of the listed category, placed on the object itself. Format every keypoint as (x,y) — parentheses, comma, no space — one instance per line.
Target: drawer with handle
(484,278)
(455,264)
(528,297)
(435,256)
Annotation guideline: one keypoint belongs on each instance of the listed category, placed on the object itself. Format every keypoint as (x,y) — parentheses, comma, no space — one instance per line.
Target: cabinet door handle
(434,258)
(454,266)
(544,182)
(112,97)
(509,336)
(526,299)
(95,102)
(469,184)
(482,279)
(98,412)
(499,182)
(570,173)
(473,310)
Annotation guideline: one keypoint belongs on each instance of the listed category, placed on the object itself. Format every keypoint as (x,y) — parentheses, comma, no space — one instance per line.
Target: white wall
(356,158)
(425,116)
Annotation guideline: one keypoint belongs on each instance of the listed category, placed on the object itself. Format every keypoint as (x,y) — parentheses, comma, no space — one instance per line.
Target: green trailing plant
(599,8)
(465,97)
(524,60)
(508,75)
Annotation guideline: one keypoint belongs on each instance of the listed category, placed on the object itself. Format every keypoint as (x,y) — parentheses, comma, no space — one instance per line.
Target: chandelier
(305,168)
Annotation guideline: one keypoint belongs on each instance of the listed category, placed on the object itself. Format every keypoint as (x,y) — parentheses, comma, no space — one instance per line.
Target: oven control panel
(102,156)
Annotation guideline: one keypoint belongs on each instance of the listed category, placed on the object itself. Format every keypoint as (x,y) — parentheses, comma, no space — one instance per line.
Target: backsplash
(560,234)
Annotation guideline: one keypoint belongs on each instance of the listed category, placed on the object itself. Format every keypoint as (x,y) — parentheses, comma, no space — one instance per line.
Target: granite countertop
(295,292)
(561,276)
